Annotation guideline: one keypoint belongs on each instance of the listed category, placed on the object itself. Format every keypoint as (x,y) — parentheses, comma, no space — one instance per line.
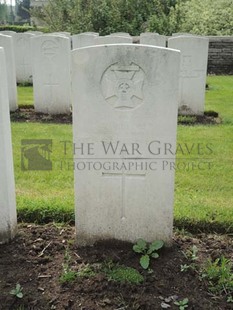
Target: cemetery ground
(54,274)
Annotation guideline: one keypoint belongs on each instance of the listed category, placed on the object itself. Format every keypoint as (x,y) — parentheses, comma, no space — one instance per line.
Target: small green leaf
(13,292)
(142,244)
(145,261)
(154,246)
(20,295)
(137,249)
(155,255)
(185,301)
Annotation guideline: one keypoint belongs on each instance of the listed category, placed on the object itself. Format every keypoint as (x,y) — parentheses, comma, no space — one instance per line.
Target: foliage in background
(4,14)
(103,16)
(23,28)
(209,17)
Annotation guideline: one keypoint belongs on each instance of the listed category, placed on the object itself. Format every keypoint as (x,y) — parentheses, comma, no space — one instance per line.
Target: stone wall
(220,59)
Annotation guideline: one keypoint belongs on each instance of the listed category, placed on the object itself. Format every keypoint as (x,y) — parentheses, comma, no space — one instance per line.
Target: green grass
(25,96)
(219,97)
(121,273)
(219,275)
(203,198)
(43,196)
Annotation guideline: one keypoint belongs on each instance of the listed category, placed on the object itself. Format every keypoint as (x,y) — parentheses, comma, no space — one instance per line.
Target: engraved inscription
(188,69)
(122,86)
(124,176)
(50,91)
(49,49)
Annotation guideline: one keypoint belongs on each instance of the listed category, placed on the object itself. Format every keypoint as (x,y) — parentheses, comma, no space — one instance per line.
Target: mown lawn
(203,194)
(25,95)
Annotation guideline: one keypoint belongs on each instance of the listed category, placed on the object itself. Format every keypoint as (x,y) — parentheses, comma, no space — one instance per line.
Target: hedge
(17,28)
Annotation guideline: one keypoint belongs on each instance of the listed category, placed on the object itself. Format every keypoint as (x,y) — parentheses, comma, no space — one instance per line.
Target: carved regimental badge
(122,86)
(49,49)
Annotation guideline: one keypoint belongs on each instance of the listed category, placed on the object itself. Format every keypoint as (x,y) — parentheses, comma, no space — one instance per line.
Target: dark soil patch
(35,260)
(28,114)
(208,118)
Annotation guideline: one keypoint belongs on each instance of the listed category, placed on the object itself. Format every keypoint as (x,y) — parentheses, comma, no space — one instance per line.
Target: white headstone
(8,33)
(194,57)
(178,34)
(51,74)
(153,39)
(65,34)
(120,34)
(90,32)
(83,40)
(124,98)
(37,33)
(8,219)
(23,57)
(112,40)
(7,43)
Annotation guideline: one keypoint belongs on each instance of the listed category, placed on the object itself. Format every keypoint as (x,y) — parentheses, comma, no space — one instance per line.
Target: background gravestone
(7,43)
(112,40)
(153,39)
(65,34)
(178,34)
(121,96)
(37,33)
(83,40)
(23,57)
(120,34)
(8,219)
(8,33)
(51,74)
(194,57)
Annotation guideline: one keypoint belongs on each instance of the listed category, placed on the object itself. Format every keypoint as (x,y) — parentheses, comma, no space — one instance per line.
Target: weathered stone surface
(7,43)
(112,40)
(64,33)
(120,34)
(83,40)
(8,33)
(8,219)
(153,39)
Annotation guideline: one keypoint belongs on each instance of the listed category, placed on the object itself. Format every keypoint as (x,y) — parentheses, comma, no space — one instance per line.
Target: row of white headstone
(47,62)
(8,220)
(125,95)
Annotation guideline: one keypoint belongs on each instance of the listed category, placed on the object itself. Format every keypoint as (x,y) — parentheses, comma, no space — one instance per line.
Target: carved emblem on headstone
(122,86)
(49,49)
